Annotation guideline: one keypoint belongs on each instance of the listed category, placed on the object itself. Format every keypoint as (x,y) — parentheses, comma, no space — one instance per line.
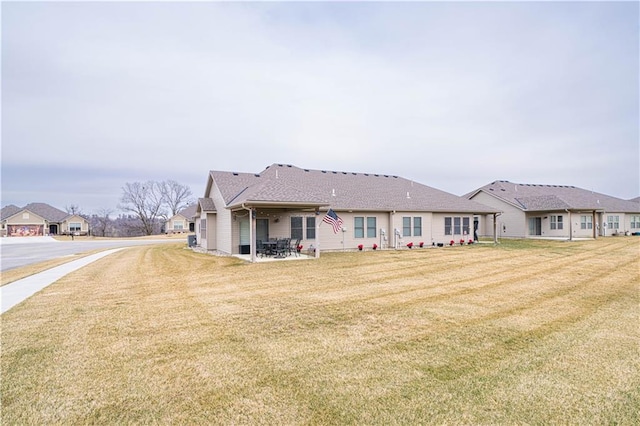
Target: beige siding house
(284,201)
(554,211)
(181,222)
(40,219)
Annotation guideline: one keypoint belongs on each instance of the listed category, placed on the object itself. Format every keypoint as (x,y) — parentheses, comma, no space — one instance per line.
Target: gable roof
(532,197)
(205,205)
(287,184)
(8,211)
(189,212)
(45,211)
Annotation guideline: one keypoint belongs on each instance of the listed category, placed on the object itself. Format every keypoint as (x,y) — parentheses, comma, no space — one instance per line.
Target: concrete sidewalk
(17,291)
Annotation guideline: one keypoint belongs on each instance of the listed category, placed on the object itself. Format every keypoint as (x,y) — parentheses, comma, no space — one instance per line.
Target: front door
(476,223)
(535,226)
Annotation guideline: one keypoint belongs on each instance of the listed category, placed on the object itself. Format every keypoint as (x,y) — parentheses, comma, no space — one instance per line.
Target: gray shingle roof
(47,212)
(339,190)
(206,205)
(43,210)
(8,211)
(533,197)
(189,212)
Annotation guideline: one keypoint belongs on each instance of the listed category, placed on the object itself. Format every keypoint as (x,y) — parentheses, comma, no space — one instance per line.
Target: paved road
(14,254)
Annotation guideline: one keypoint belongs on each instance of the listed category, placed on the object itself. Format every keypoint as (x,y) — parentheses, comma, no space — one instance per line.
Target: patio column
(317,239)
(252,232)
(594,226)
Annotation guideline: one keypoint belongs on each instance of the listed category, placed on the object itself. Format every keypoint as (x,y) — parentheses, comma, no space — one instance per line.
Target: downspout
(570,225)
(252,247)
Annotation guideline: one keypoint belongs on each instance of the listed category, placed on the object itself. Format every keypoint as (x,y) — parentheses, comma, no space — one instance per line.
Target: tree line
(146,206)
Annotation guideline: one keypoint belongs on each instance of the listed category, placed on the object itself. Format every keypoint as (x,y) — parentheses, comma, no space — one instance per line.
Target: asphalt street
(14,254)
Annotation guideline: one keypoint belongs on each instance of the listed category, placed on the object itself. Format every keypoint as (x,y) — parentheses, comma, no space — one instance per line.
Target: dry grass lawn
(532,332)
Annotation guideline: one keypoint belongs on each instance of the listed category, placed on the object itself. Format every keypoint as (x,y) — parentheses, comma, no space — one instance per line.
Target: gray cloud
(453,95)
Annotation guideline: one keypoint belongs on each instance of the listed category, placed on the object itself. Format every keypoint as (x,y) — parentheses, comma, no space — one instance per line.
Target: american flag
(332,219)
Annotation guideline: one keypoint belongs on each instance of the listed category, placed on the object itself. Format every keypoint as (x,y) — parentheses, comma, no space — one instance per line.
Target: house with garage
(556,211)
(181,222)
(239,210)
(40,219)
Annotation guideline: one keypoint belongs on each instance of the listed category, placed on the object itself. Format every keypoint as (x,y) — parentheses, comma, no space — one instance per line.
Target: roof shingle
(534,197)
(340,190)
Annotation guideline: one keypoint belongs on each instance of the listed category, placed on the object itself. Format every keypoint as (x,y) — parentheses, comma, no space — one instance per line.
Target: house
(40,219)
(559,211)
(239,209)
(183,221)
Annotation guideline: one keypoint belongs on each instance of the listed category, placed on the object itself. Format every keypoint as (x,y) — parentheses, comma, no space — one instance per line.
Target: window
(586,222)
(417,226)
(465,225)
(311,228)
(556,222)
(178,225)
(406,226)
(203,228)
(75,227)
(613,222)
(296,227)
(371,227)
(456,226)
(635,222)
(358,227)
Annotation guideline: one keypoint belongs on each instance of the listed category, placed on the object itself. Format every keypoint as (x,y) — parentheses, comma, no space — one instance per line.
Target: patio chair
(281,248)
(293,247)
(261,249)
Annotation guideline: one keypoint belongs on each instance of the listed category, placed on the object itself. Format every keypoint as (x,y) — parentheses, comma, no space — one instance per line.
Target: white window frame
(586,222)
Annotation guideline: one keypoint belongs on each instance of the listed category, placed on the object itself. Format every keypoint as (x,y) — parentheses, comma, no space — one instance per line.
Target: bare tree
(175,195)
(73,209)
(145,200)
(101,222)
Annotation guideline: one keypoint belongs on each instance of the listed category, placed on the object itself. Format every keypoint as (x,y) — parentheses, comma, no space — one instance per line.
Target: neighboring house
(558,211)
(286,201)
(39,219)
(181,222)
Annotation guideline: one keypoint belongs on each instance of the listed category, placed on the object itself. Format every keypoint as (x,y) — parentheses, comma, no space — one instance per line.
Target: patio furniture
(293,247)
(269,247)
(261,249)
(281,248)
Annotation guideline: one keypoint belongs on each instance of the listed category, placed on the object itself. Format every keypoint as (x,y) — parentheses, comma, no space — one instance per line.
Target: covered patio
(259,224)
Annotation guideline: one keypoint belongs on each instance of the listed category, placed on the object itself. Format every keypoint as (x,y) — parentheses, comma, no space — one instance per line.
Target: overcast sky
(453,95)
